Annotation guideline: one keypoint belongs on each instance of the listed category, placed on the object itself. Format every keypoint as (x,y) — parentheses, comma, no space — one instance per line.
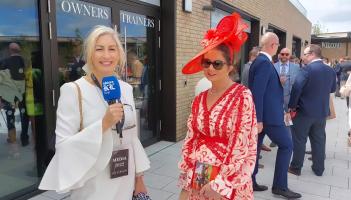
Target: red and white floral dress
(225,136)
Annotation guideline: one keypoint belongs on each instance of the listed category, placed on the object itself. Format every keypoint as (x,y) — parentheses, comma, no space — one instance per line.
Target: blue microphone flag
(110,88)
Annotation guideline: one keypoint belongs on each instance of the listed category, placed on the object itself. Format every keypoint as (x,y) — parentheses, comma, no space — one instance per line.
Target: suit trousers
(313,128)
(281,136)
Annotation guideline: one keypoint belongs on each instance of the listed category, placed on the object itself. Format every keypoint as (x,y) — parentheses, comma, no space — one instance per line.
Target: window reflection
(138,36)
(21,97)
(74,20)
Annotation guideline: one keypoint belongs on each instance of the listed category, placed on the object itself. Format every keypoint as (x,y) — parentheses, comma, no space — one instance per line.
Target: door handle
(53,98)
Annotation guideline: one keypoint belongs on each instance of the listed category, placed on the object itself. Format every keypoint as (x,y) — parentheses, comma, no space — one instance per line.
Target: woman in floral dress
(222,130)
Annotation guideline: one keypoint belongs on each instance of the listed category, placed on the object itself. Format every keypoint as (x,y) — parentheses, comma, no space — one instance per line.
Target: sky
(333,15)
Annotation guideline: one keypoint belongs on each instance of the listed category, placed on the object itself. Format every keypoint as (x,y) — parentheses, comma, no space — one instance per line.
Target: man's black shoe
(294,171)
(260,188)
(316,172)
(286,193)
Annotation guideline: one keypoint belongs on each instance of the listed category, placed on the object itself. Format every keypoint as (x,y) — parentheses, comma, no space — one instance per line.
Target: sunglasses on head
(217,64)
(284,54)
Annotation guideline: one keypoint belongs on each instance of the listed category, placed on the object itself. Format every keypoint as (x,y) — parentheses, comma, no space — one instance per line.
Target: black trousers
(313,128)
(10,117)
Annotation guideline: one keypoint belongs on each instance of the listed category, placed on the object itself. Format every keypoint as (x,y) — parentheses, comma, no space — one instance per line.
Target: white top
(81,162)
(346,92)
(202,85)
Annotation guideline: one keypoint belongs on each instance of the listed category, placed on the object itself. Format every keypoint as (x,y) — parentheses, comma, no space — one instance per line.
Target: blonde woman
(82,160)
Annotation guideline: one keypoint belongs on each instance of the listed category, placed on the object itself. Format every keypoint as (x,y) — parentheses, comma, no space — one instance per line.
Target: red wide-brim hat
(230,31)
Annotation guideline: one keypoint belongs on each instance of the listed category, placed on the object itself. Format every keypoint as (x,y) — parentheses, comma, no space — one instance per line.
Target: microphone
(111,92)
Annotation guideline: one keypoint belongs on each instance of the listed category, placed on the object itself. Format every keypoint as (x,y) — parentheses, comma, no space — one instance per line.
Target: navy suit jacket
(267,91)
(311,90)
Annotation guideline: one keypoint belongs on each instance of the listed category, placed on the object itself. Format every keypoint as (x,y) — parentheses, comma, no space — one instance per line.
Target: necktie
(283,70)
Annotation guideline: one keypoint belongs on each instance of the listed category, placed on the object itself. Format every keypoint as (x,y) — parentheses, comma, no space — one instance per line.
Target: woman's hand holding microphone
(113,115)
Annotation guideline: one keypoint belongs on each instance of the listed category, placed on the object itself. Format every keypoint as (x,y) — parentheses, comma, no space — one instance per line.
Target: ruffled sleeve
(240,158)
(76,151)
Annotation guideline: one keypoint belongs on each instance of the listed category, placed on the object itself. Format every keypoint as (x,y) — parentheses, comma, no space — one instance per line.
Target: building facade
(285,18)
(334,45)
(159,37)
(48,35)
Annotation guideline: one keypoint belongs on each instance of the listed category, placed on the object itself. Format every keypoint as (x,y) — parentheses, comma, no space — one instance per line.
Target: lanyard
(117,125)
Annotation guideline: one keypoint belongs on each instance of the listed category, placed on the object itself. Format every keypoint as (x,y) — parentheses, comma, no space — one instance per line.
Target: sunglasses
(217,64)
(284,54)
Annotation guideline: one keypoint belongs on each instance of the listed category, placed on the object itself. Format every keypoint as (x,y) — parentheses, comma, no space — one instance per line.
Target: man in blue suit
(310,98)
(287,73)
(267,93)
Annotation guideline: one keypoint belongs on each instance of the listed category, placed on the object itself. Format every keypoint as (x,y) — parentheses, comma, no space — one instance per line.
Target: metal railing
(299,7)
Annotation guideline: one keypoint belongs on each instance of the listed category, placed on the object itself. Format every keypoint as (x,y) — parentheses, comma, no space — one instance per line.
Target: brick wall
(280,13)
(191,27)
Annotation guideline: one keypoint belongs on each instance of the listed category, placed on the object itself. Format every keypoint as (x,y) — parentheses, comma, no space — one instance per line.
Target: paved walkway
(335,184)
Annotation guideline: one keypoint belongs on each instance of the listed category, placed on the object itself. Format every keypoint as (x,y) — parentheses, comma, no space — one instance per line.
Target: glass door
(74,20)
(139,37)
(21,96)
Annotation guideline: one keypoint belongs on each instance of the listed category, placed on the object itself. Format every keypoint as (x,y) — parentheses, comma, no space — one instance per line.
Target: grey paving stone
(157,181)
(157,194)
(309,188)
(340,194)
(341,172)
(173,197)
(172,187)
(40,197)
(54,195)
(169,169)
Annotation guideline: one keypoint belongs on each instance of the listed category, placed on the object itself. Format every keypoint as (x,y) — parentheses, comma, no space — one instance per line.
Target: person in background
(292,59)
(74,68)
(268,96)
(287,73)
(87,145)
(12,92)
(310,99)
(326,61)
(338,72)
(345,90)
(252,56)
(245,78)
(202,85)
(222,130)
(345,68)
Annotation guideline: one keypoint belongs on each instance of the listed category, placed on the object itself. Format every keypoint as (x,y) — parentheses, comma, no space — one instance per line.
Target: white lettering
(85,9)
(137,20)
(331,45)
(66,8)
(119,159)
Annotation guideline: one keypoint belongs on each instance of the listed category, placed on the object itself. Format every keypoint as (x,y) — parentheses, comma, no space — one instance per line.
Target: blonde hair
(90,41)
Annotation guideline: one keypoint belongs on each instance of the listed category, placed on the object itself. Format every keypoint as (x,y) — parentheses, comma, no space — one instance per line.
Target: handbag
(141,196)
(80,106)
(52,140)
